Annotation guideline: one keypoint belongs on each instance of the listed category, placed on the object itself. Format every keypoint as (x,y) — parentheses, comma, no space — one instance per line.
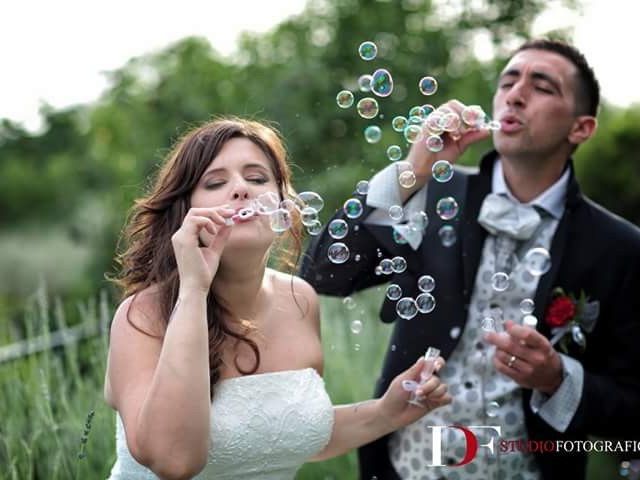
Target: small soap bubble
(308,216)
(578,336)
(418,112)
(356,347)
(396,213)
(447,208)
(425,303)
(338,229)
(527,306)
(356,326)
(344,99)
(310,200)
(537,261)
(315,228)
(434,143)
(362,187)
(447,235)
(492,409)
(473,115)
(442,171)
(428,85)
(500,281)
(413,133)
(267,202)
(378,270)
(364,83)
(399,123)
(398,238)
(394,152)
(494,125)
(418,221)
(338,253)
(488,324)
(386,266)
(450,122)
(407,179)
(367,107)
(427,109)
(367,50)
(372,134)
(280,220)
(426,283)
(382,82)
(349,302)
(357,257)
(353,208)
(433,122)
(398,264)
(406,308)
(394,292)
(288,205)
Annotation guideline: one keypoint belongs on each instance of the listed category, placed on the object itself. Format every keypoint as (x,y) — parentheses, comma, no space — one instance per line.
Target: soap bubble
(386,266)
(407,179)
(500,281)
(280,220)
(338,253)
(425,303)
(428,85)
(396,212)
(426,283)
(413,133)
(394,152)
(442,171)
(338,229)
(367,50)
(382,83)
(398,264)
(447,235)
(537,261)
(434,143)
(406,308)
(311,200)
(367,107)
(394,292)
(447,208)
(399,123)
(527,306)
(344,99)
(314,228)
(362,187)
(353,208)
(372,134)
(308,215)
(356,326)
(364,83)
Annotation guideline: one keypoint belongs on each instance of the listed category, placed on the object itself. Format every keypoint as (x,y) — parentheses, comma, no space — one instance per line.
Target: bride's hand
(198,245)
(432,394)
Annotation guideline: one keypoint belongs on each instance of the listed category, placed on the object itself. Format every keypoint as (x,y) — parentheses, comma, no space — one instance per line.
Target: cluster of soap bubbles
(429,125)
(630,469)
(408,307)
(387,266)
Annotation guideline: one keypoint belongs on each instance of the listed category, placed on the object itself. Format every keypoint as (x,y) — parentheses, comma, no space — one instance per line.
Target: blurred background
(94,95)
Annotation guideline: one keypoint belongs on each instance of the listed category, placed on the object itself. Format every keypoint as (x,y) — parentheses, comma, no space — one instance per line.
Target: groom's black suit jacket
(592,250)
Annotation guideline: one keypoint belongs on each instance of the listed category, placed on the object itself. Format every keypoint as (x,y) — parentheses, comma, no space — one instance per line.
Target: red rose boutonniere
(566,313)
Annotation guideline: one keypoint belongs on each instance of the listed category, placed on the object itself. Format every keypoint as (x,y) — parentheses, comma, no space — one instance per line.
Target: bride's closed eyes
(218,183)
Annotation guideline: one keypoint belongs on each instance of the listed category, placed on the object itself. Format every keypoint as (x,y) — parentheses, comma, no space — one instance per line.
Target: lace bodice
(263,427)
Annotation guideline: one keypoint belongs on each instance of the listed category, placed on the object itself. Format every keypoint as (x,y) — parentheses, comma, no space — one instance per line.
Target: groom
(554,380)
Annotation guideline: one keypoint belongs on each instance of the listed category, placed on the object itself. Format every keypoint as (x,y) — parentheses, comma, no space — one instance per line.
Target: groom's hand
(526,356)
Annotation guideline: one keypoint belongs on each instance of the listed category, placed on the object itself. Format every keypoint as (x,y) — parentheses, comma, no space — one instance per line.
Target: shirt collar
(552,200)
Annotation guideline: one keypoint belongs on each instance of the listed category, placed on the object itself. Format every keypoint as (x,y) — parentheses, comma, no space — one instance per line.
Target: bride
(215,360)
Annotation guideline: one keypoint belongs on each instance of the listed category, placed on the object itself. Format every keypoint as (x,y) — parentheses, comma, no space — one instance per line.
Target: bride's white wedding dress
(263,427)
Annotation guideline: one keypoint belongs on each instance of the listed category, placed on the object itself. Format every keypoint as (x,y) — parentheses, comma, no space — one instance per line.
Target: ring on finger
(511,361)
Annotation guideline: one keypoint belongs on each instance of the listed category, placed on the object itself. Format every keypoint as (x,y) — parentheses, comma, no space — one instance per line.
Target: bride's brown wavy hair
(147,256)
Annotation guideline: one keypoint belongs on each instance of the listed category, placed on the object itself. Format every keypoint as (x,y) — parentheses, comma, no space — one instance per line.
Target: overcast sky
(62,46)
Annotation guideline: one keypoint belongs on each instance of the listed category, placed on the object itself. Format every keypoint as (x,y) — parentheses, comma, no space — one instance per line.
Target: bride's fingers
(217,214)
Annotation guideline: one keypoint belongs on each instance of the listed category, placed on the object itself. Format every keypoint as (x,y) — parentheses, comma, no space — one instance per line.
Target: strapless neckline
(265,375)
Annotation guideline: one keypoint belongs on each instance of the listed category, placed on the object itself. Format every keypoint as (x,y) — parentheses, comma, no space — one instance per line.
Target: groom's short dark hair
(588,89)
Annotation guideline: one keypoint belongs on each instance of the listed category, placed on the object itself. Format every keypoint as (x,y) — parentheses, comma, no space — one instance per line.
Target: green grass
(48,429)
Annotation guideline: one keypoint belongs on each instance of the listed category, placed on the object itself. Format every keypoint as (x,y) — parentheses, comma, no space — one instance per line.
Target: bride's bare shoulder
(141,311)
(296,290)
